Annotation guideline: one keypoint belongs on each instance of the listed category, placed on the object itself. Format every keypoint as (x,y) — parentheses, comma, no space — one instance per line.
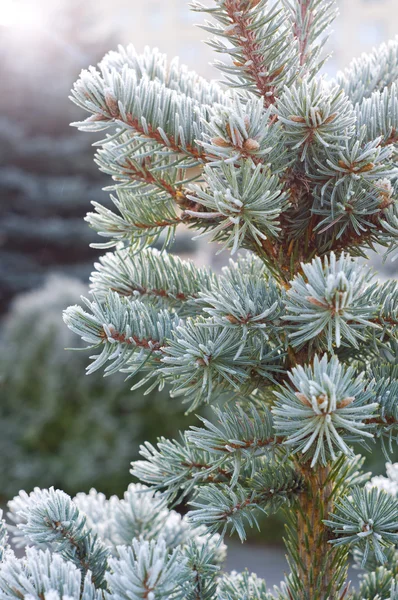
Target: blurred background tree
(47,176)
(60,429)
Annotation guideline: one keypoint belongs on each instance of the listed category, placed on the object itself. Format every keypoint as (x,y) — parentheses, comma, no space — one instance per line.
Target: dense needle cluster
(293,344)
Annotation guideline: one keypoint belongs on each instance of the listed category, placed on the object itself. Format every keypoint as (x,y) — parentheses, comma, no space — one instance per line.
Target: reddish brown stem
(154,134)
(303,40)
(251,51)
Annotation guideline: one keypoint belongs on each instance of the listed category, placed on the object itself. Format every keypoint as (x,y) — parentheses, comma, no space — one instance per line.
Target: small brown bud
(392,139)
(385,203)
(234,135)
(232,319)
(316,302)
(297,119)
(111,102)
(346,401)
(251,145)
(330,119)
(366,168)
(277,72)
(343,165)
(321,399)
(219,141)
(385,190)
(303,398)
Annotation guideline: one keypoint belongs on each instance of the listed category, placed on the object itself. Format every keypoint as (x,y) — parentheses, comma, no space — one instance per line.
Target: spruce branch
(236,432)
(245,265)
(204,358)
(123,330)
(141,514)
(176,467)
(153,276)
(236,436)
(314,114)
(325,407)
(19,506)
(55,521)
(245,302)
(389,235)
(44,575)
(310,19)
(331,303)
(345,473)
(377,585)
(198,579)
(141,107)
(145,570)
(368,519)
(153,65)
(357,161)
(386,297)
(136,225)
(371,72)
(243,130)
(386,393)
(358,215)
(379,115)
(140,165)
(245,586)
(220,505)
(257,40)
(372,563)
(247,200)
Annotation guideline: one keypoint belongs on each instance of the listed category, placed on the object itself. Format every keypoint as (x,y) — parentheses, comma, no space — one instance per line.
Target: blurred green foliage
(58,427)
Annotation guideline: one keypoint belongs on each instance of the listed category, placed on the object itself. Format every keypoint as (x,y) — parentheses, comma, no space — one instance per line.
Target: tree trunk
(318,560)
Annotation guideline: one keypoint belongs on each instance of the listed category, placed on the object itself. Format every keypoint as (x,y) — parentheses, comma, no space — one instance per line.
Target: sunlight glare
(18,14)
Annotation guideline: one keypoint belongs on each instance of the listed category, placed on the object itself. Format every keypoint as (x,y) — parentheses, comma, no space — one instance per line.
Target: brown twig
(251,51)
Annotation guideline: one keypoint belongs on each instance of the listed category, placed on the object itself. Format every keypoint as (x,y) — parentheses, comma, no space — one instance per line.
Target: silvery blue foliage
(314,113)
(247,586)
(245,200)
(44,575)
(331,302)
(331,405)
(367,518)
(133,548)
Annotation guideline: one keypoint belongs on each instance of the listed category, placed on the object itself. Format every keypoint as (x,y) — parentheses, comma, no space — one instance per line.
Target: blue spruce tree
(299,174)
